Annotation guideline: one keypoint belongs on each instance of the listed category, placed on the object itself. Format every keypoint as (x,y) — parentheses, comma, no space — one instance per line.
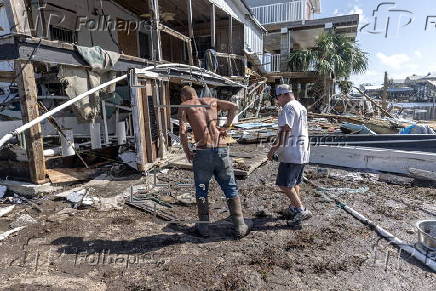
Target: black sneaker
(300,216)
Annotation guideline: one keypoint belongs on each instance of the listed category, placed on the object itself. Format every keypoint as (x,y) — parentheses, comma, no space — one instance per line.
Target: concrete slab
(27,189)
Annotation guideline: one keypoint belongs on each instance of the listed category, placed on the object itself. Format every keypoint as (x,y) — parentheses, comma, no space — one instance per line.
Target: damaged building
(60,50)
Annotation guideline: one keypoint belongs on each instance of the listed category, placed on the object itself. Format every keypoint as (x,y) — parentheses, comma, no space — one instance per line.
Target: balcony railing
(271,62)
(281,12)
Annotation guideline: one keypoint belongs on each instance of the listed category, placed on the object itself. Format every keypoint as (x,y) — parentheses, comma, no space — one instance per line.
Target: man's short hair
(188,91)
(283,89)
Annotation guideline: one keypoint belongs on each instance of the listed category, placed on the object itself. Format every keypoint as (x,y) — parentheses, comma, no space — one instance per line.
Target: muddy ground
(130,250)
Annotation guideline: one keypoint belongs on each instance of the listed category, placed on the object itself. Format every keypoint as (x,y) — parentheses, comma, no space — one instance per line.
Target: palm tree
(335,56)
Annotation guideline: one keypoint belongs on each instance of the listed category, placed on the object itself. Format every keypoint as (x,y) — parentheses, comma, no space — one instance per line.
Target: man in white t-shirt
(292,150)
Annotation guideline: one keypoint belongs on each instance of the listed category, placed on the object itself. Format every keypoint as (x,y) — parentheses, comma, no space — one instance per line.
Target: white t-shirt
(296,149)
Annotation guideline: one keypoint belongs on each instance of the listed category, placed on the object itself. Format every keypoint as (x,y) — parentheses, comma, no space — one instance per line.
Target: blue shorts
(290,175)
(214,162)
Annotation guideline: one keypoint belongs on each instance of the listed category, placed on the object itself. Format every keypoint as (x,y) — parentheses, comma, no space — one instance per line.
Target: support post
(192,57)
(145,92)
(165,111)
(385,94)
(156,38)
(285,48)
(157,101)
(213,26)
(138,128)
(29,111)
(230,47)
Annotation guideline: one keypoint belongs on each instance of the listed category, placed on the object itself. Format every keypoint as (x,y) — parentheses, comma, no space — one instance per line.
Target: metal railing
(271,62)
(281,12)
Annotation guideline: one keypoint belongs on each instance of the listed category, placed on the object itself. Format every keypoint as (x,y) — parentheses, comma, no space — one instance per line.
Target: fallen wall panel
(385,160)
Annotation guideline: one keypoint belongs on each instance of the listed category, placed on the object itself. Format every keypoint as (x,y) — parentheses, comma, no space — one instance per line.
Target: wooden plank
(139,128)
(52,52)
(158,113)
(174,33)
(385,160)
(67,175)
(213,26)
(190,53)
(147,124)
(29,110)
(165,111)
(168,102)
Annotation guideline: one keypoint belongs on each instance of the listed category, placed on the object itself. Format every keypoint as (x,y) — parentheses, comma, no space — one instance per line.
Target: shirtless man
(211,157)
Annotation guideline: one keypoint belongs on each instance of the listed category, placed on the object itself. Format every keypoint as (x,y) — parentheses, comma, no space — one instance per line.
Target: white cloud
(418,53)
(337,12)
(395,61)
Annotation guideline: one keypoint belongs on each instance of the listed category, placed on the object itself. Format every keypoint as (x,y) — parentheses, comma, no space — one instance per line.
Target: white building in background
(281,11)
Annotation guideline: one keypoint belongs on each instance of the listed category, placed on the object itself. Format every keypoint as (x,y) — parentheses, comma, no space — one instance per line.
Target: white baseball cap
(283,89)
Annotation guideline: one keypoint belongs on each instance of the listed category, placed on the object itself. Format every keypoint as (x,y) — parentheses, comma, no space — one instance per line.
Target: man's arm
(282,137)
(231,109)
(184,135)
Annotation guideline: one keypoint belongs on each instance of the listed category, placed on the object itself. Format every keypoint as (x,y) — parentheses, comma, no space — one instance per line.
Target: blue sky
(408,49)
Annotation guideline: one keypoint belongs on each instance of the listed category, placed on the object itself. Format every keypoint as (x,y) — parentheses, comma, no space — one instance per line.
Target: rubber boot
(203,216)
(241,229)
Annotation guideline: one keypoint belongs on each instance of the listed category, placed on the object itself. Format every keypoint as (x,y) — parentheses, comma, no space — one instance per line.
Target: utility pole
(385,94)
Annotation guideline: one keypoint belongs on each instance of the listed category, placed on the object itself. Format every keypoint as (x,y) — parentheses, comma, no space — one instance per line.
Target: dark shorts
(290,175)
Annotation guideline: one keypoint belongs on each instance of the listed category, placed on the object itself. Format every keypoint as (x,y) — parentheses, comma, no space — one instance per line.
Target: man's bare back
(203,121)
(202,115)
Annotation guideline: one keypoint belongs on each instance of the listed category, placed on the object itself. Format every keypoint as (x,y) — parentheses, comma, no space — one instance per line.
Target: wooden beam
(230,47)
(29,110)
(157,98)
(168,102)
(192,58)
(156,38)
(165,111)
(145,92)
(285,48)
(139,128)
(213,26)
(16,13)
(190,53)
(174,33)
(294,75)
(52,52)
(190,27)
